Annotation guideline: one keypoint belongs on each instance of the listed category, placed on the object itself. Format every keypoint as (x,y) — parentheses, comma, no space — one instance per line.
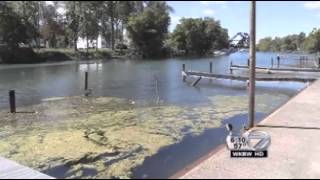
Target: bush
(19,56)
(29,56)
(54,56)
(69,54)
(121,46)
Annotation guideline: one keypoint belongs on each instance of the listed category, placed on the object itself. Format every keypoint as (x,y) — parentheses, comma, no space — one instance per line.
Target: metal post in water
(252,77)
(248,62)
(86,81)
(183,67)
(12,101)
(210,67)
(319,62)
(272,62)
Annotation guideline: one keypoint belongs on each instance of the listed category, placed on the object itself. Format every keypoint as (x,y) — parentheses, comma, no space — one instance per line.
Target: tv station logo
(250,144)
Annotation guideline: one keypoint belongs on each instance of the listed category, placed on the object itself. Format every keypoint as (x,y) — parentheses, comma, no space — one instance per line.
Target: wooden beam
(196,81)
(280,69)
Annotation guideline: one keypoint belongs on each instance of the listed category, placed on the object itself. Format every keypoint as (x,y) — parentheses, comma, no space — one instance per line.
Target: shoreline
(188,169)
(219,148)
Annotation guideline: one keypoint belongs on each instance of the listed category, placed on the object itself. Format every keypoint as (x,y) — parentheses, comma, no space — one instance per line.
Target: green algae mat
(107,137)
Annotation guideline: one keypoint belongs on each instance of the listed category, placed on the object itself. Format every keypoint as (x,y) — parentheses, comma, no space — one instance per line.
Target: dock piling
(231,67)
(210,67)
(184,75)
(301,58)
(12,101)
(86,81)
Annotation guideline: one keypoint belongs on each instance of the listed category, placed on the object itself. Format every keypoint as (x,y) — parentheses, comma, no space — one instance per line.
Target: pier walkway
(12,170)
(294,151)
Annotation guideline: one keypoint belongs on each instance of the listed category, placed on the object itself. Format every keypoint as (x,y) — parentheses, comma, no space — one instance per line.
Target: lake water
(134,79)
(148,83)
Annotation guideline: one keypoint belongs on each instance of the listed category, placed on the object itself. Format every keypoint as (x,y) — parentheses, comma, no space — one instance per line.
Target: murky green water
(137,110)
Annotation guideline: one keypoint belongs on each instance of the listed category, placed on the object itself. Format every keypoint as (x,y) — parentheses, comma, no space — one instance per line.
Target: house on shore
(101,42)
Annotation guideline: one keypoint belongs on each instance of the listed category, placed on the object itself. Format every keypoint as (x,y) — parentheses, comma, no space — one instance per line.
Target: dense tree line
(295,42)
(199,36)
(84,19)
(60,24)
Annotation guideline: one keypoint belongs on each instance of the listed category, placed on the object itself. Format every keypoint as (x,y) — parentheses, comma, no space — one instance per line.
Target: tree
(112,13)
(89,28)
(12,28)
(265,44)
(312,42)
(29,12)
(199,35)
(52,29)
(292,42)
(74,18)
(124,10)
(149,29)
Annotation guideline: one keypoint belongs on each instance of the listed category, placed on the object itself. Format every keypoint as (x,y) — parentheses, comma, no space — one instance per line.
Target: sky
(274,18)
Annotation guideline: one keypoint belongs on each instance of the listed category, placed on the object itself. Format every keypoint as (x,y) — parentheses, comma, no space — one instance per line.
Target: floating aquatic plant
(107,137)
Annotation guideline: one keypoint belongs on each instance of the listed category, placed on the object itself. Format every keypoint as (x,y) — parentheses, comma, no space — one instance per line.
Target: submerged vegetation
(108,137)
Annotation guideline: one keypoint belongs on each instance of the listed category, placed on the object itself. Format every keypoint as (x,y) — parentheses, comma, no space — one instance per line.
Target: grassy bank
(29,55)
(69,54)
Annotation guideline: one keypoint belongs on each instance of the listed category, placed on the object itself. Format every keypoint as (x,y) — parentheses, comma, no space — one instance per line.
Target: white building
(100,42)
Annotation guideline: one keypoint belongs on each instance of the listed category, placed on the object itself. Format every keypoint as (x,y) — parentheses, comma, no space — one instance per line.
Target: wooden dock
(235,67)
(246,78)
(13,170)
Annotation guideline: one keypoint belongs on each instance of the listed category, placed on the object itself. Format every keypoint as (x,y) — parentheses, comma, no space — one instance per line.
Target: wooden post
(184,76)
(231,66)
(278,59)
(319,62)
(248,62)
(210,67)
(196,81)
(12,101)
(86,81)
(252,77)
